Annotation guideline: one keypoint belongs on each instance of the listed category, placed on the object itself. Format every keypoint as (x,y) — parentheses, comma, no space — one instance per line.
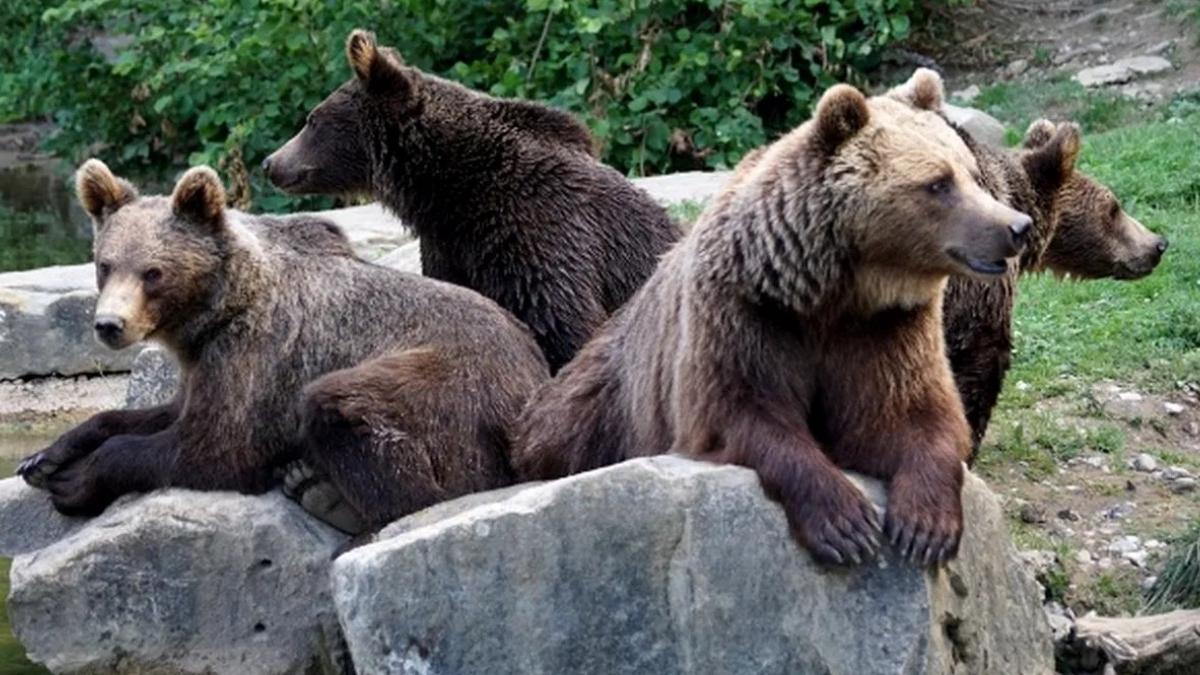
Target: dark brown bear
(505,195)
(398,391)
(797,330)
(1078,228)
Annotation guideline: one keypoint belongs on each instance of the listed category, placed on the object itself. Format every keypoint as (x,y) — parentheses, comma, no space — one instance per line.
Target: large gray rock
(154,378)
(46,324)
(664,565)
(183,582)
(982,126)
(371,229)
(407,258)
(28,521)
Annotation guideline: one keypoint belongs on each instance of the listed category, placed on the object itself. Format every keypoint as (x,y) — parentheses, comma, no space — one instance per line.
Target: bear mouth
(989,268)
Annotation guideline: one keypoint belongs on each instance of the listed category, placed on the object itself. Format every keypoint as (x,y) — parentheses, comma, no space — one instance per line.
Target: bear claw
(320,498)
(841,536)
(921,544)
(36,469)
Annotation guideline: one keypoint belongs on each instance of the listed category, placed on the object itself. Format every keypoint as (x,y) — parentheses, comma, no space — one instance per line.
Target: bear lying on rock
(396,391)
(797,330)
(1078,228)
(504,195)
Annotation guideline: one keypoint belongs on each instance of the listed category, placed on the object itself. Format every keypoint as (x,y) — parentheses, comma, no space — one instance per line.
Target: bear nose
(266,165)
(1162,245)
(109,327)
(1020,229)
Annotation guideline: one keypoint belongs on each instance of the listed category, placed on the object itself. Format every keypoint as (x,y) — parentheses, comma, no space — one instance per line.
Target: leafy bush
(664,84)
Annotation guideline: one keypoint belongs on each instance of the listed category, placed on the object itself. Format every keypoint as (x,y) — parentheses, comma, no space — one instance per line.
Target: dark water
(40,222)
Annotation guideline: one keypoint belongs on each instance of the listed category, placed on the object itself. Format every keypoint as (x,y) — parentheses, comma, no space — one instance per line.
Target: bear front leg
(85,438)
(924,515)
(121,465)
(827,514)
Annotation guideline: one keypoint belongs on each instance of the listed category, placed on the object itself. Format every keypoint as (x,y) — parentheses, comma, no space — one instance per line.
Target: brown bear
(796,330)
(398,391)
(1078,228)
(504,195)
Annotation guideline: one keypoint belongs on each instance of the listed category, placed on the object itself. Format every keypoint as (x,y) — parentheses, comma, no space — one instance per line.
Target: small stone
(1118,511)
(966,95)
(1138,558)
(1146,65)
(1023,386)
(1183,485)
(1032,514)
(1192,429)
(1129,396)
(1154,544)
(1038,562)
(1144,463)
(1094,461)
(1125,544)
(1130,487)
(1068,514)
(1161,48)
(1083,557)
(1016,68)
(1175,473)
(1173,408)
(1148,583)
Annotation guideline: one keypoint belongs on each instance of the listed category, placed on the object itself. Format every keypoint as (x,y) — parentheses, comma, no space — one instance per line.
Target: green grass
(1019,103)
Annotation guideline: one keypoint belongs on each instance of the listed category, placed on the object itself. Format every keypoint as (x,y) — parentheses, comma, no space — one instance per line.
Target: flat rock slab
(982,126)
(693,186)
(46,326)
(371,229)
(665,565)
(1122,71)
(183,582)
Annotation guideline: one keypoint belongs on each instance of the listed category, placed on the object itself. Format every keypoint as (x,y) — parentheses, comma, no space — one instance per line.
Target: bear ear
(99,191)
(1052,163)
(199,196)
(379,69)
(841,113)
(1038,134)
(923,91)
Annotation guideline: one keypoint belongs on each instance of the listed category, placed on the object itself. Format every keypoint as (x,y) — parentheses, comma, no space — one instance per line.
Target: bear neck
(452,164)
(239,300)
(759,241)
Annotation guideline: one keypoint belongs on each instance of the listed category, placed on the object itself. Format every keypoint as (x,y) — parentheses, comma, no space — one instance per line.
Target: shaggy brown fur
(1078,228)
(797,330)
(399,390)
(505,195)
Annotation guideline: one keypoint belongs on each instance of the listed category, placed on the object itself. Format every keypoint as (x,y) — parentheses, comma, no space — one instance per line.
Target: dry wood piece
(1158,644)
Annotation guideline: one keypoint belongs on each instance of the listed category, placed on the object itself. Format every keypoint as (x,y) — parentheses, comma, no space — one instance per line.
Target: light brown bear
(796,330)
(1078,228)
(399,391)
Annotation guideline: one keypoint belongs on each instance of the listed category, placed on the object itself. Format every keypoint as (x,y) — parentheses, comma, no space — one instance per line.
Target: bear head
(905,186)
(1095,237)
(374,122)
(1091,236)
(159,260)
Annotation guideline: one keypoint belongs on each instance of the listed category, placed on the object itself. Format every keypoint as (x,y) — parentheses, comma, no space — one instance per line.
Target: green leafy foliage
(665,85)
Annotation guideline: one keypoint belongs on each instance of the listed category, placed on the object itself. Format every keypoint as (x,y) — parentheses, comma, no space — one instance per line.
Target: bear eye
(939,187)
(152,275)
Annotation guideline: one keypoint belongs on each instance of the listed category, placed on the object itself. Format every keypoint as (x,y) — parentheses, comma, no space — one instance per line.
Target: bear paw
(840,526)
(924,527)
(37,468)
(318,496)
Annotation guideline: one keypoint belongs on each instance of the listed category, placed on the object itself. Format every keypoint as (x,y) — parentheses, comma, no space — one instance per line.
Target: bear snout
(1020,229)
(110,329)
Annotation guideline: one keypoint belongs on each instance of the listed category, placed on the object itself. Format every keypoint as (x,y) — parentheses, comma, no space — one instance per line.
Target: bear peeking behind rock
(505,195)
(1078,228)
(797,330)
(393,391)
